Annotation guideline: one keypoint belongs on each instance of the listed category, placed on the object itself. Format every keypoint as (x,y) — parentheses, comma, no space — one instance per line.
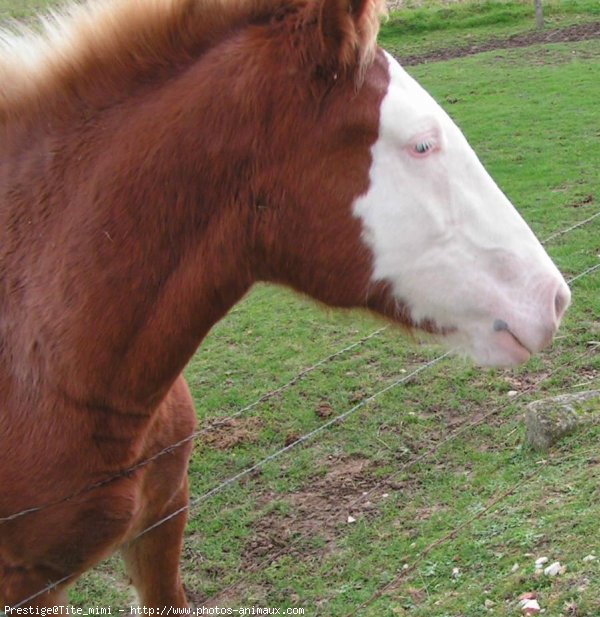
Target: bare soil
(313,513)
(578,32)
(227,433)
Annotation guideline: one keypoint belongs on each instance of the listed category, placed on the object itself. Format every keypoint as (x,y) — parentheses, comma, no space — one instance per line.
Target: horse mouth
(513,346)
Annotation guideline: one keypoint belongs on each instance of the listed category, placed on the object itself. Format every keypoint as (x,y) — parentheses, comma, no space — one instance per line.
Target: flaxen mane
(103,46)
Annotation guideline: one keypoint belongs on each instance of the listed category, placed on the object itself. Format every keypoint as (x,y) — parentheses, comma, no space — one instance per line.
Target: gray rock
(550,419)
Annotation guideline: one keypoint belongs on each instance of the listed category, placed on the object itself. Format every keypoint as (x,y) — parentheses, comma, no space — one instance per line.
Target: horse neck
(149,250)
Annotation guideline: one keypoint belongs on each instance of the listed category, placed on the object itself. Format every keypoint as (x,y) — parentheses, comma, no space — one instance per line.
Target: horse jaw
(449,244)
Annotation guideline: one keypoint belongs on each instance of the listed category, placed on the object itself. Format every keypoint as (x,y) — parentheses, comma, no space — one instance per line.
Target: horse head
(377,200)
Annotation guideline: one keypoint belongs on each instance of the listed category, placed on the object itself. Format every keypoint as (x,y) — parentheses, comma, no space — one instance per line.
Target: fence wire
(348,508)
(577,225)
(301,440)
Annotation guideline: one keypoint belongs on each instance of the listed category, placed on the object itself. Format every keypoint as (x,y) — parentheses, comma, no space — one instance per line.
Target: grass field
(457,514)
(434,25)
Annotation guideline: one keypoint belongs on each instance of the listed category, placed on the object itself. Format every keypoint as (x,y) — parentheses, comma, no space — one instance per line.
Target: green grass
(20,9)
(531,114)
(468,15)
(433,26)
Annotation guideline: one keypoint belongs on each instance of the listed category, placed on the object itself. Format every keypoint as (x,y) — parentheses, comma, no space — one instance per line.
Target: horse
(159,157)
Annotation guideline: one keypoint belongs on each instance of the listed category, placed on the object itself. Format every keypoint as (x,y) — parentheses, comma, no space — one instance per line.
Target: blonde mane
(93,44)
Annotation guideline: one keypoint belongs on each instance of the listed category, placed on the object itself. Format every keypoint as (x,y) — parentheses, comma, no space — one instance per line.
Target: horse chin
(499,350)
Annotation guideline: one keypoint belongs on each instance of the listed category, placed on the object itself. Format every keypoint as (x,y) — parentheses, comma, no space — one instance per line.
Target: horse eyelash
(423,147)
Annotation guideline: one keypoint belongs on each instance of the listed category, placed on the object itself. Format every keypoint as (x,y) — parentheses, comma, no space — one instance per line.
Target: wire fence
(567,230)
(301,440)
(264,397)
(343,416)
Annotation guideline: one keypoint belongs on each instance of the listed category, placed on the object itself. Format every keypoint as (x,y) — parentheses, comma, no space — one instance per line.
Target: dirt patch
(324,410)
(227,433)
(313,513)
(578,32)
(584,201)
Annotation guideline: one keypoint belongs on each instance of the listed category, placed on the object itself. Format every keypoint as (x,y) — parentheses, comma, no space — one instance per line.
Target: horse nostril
(561,301)
(500,325)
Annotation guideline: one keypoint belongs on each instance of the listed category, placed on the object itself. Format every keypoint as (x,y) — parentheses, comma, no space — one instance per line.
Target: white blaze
(451,245)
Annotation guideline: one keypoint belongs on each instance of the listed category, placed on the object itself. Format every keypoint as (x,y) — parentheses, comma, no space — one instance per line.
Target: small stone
(530,595)
(529,604)
(540,562)
(515,567)
(351,519)
(489,604)
(589,558)
(512,393)
(455,573)
(530,607)
(554,569)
